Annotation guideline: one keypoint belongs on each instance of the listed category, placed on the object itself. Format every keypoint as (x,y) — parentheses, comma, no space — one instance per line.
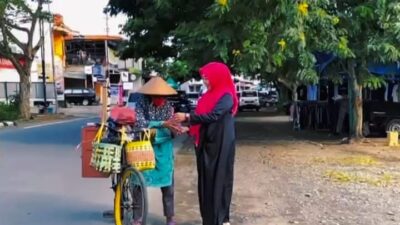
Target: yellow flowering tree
(223,2)
(278,38)
(303,8)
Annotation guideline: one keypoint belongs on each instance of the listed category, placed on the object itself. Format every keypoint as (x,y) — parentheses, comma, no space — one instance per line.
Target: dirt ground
(288,177)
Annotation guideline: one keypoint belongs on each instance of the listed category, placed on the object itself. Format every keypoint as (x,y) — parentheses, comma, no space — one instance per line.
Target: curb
(8,124)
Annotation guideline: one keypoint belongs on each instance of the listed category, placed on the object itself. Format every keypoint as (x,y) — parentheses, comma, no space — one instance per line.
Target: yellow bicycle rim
(118,198)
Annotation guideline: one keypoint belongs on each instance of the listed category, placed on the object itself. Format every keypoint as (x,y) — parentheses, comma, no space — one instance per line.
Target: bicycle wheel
(130,202)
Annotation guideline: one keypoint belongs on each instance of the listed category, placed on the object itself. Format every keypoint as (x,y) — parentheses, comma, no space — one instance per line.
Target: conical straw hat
(157,86)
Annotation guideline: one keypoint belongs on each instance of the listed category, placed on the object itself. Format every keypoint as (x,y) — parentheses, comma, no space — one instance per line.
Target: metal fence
(8,89)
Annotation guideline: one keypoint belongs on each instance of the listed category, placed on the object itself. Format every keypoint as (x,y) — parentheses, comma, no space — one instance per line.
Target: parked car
(381,116)
(270,99)
(249,100)
(130,101)
(180,102)
(84,96)
(193,98)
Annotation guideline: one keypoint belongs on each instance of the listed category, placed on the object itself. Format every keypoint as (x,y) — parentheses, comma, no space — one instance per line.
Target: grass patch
(360,160)
(8,112)
(384,179)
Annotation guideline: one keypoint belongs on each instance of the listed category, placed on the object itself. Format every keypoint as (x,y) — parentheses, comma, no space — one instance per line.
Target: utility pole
(41,28)
(106,95)
(52,62)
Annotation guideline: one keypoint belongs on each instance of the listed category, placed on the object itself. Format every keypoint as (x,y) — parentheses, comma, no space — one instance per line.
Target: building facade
(73,60)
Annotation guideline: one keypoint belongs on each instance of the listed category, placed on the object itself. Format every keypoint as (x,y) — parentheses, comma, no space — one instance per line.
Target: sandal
(171,221)
(137,222)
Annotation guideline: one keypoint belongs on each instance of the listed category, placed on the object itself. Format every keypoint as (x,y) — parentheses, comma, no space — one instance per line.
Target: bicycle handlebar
(136,130)
(133,131)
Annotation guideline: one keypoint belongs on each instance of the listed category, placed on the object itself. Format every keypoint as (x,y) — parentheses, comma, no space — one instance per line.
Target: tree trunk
(24,95)
(356,104)
(283,92)
(359,113)
(295,96)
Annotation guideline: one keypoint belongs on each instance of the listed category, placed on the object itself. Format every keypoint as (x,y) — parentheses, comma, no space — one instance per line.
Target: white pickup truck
(249,100)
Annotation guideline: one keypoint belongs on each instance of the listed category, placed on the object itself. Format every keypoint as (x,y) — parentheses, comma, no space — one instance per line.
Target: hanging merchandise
(106,157)
(395,95)
(140,154)
(386,91)
(312,92)
(389,89)
(398,93)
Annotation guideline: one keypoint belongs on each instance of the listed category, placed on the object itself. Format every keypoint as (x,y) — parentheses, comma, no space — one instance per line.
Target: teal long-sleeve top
(162,175)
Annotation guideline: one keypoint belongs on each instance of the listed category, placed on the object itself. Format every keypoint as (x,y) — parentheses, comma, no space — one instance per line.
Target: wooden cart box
(88,134)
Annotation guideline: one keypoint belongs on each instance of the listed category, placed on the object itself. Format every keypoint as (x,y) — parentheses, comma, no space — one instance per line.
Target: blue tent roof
(382,69)
(324,59)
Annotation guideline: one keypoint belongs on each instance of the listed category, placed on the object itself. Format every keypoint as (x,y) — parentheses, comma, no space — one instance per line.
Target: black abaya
(215,158)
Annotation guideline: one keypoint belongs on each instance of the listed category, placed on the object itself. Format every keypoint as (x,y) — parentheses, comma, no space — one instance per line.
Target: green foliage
(179,70)
(8,111)
(275,38)
(135,71)
(152,64)
(152,23)
(371,31)
(261,36)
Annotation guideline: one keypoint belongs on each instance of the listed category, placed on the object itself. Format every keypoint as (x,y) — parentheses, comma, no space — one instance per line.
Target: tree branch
(17,65)
(3,50)
(13,39)
(6,52)
(27,9)
(7,34)
(16,27)
(286,83)
(35,17)
(6,46)
(37,46)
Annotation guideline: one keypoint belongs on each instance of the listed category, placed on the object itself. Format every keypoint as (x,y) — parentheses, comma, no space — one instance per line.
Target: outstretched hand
(184,129)
(175,127)
(172,125)
(179,117)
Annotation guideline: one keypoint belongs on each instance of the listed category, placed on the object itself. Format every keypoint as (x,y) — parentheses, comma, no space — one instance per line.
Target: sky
(86,16)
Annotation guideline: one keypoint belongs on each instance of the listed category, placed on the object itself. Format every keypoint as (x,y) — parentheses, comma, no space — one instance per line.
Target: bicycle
(130,191)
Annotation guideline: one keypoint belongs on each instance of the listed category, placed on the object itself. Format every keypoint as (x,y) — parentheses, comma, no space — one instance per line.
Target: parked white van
(249,99)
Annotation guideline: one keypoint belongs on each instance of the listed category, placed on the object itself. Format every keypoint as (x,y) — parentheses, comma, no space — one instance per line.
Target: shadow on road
(256,127)
(48,209)
(59,134)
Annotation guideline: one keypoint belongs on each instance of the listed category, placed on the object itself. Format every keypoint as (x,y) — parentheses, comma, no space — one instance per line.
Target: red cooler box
(88,134)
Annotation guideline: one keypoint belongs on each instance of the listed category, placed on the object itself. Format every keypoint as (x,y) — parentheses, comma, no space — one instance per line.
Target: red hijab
(220,83)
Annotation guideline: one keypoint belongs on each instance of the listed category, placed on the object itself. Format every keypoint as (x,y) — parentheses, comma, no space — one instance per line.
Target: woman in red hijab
(213,127)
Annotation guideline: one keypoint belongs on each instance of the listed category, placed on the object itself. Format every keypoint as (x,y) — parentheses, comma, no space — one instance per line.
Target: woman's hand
(172,125)
(180,117)
(184,130)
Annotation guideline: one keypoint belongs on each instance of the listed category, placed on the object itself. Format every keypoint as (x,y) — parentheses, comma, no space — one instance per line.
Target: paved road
(41,184)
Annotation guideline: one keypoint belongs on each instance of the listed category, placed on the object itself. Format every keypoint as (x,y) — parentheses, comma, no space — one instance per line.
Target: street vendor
(155,112)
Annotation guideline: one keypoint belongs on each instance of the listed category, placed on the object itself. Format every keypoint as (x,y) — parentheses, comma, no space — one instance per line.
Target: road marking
(55,123)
